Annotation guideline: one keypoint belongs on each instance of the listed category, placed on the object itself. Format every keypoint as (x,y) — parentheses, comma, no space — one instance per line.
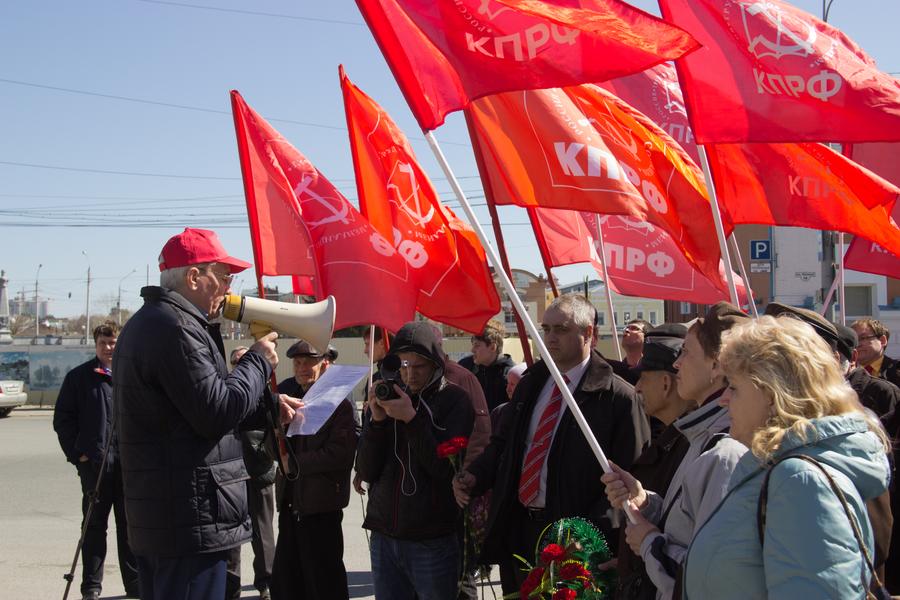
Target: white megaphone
(311,322)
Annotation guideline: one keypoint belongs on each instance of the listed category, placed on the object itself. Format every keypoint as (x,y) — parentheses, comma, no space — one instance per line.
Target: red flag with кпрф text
(445,53)
(294,211)
(864,255)
(770,72)
(641,260)
(446,259)
(581,148)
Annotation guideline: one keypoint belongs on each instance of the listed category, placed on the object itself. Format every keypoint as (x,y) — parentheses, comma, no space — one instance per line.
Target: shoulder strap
(854,525)
(710,444)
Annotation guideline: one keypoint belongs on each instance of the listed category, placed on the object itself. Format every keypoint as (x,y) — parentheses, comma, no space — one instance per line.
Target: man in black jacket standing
(538,463)
(489,364)
(177,412)
(83,422)
(411,510)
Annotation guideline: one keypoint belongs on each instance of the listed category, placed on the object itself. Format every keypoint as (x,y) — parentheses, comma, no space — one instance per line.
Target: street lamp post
(87,309)
(119,298)
(37,311)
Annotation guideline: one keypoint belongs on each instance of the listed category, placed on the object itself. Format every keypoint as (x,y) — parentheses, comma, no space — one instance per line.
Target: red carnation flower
(446,449)
(574,570)
(531,582)
(565,594)
(552,552)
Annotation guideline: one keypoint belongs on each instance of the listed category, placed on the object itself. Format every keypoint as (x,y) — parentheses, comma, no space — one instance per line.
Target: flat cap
(848,340)
(302,348)
(822,326)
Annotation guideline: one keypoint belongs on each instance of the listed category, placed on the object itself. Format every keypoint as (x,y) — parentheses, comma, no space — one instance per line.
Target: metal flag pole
(609,300)
(740,260)
(841,287)
(717,219)
(830,295)
(520,308)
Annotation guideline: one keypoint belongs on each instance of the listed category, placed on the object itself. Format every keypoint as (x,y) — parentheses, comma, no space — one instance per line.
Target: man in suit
(538,463)
(873,341)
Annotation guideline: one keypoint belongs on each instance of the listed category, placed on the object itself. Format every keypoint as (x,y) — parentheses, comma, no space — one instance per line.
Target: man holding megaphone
(177,412)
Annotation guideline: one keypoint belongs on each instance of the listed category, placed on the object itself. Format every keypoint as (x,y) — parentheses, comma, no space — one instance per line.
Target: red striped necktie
(530,481)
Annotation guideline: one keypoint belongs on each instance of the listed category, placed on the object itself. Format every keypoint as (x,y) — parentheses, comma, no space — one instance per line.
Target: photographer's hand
(289,407)
(378,413)
(266,347)
(400,408)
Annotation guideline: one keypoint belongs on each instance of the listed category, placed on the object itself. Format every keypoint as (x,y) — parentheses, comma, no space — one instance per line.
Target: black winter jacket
(573,474)
(492,378)
(177,411)
(83,414)
(410,491)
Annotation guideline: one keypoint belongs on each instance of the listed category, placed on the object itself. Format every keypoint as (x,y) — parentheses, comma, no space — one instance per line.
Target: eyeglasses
(866,338)
(225,278)
(421,366)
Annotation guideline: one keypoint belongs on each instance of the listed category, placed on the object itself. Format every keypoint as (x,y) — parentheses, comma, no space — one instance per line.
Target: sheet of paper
(323,398)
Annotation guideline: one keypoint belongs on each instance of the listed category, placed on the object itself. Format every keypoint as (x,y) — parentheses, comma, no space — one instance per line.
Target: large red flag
(447,261)
(446,53)
(641,260)
(863,255)
(803,185)
(582,148)
(770,72)
(657,93)
(304,226)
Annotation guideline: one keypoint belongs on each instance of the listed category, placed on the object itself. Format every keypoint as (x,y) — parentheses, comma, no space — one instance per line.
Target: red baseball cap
(197,246)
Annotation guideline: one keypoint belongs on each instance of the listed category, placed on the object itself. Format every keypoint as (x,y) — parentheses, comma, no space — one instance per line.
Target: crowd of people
(749,457)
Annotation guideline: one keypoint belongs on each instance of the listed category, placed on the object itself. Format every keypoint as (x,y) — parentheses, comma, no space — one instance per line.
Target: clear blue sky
(172,52)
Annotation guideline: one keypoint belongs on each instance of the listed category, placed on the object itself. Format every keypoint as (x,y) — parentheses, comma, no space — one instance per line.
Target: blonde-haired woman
(797,529)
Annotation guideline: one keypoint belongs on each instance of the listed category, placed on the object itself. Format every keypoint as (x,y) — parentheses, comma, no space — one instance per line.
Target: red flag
(447,261)
(863,255)
(770,72)
(295,212)
(445,54)
(803,185)
(657,93)
(582,148)
(641,260)
(303,285)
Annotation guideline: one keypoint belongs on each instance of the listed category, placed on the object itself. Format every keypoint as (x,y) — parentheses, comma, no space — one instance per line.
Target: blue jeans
(190,577)
(406,569)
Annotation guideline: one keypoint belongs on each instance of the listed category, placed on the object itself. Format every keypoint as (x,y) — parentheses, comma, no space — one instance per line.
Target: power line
(253,12)
(110,172)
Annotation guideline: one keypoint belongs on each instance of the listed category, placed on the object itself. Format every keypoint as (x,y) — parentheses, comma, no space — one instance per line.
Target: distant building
(626,308)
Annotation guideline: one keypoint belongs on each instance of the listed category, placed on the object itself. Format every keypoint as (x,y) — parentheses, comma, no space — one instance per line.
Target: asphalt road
(40,516)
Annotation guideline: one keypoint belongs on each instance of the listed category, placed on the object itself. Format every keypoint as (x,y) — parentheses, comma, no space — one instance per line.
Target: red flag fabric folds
(641,260)
(770,72)
(863,255)
(447,262)
(304,226)
(446,53)
(582,148)
(803,185)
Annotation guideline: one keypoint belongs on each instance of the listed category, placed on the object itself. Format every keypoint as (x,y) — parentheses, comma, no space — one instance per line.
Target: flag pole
(830,295)
(740,260)
(717,219)
(520,308)
(841,286)
(542,247)
(609,300)
(498,235)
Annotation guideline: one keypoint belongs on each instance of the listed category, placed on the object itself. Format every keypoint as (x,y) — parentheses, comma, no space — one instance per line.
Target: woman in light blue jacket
(787,398)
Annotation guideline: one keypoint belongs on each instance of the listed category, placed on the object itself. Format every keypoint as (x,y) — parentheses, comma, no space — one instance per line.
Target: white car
(12,394)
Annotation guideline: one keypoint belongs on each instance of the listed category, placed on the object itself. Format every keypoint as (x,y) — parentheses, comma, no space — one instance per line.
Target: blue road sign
(760,250)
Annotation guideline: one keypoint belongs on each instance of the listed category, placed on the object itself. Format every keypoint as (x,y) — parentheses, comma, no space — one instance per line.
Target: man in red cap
(177,412)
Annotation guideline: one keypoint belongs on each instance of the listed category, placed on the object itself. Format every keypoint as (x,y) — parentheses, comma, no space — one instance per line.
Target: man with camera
(82,420)
(309,552)
(177,412)
(411,510)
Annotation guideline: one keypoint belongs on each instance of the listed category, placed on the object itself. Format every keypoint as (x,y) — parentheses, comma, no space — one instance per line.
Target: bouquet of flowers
(567,560)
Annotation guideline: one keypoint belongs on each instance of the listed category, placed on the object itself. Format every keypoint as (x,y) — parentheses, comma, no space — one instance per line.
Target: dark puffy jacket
(410,491)
(177,411)
(83,414)
(615,416)
(492,378)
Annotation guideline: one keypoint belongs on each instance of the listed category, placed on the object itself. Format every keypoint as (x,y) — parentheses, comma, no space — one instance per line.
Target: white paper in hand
(323,398)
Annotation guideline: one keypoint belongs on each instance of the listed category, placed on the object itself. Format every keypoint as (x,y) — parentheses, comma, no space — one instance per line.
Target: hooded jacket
(809,549)
(410,491)
(177,410)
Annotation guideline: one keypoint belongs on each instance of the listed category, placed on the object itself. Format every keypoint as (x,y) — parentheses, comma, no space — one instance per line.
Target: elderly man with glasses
(177,411)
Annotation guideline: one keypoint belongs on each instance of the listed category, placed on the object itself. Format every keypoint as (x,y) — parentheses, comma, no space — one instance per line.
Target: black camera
(390,376)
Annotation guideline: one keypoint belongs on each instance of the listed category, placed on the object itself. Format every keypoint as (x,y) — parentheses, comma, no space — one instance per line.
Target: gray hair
(173,279)
(577,307)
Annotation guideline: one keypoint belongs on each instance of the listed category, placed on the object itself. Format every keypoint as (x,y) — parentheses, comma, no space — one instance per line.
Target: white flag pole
(737,253)
(830,294)
(717,219)
(841,287)
(520,308)
(609,301)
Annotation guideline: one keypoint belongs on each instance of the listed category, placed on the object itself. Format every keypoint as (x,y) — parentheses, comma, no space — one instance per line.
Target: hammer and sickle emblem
(339,212)
(786,43)
(485,9)
(415,212)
